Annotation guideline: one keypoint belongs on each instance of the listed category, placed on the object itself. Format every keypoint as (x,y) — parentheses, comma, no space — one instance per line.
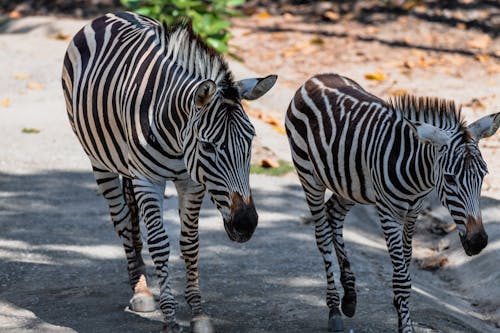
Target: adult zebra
(388,154)
(150,104)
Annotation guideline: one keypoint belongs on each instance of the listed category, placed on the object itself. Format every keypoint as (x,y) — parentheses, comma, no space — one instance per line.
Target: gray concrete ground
(63,268)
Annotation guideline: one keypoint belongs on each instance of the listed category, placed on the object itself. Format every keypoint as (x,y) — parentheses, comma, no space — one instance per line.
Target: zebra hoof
(335,323)
(349,304)
(171,328)
(142,302)
(201,324)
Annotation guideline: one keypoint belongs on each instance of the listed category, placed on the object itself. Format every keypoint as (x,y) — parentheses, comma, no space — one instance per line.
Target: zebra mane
(187,49)
(435,111)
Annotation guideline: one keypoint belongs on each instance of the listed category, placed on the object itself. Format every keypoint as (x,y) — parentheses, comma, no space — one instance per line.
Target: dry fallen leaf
(410,4)
(317,41)
(269,163)
(481,42)
(482,58)
(289,53)
(279,129)
(5,103)
(332,16)
(475,104)
(22,76)
(493,69)
(375,76)
(433,263)
(15,14)
(263,15)
(33,85)
(271,121)
(61,36)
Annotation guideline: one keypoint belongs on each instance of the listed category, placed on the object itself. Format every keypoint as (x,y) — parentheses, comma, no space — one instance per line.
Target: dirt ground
(64,269)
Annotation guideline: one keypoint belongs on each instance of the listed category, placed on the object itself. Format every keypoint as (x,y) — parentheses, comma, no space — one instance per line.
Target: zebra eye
(450,179)
(208,147)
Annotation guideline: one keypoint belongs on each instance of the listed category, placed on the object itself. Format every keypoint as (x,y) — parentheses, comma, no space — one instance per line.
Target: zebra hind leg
(124,215)
(336,210)
(315,197)
(143,300)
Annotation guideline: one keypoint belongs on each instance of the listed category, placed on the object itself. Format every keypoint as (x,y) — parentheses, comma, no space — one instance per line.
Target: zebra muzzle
(243,220)
(475,238)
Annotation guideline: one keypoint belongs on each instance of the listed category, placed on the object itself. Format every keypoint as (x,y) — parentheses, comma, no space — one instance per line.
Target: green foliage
(210,19)
(284,168)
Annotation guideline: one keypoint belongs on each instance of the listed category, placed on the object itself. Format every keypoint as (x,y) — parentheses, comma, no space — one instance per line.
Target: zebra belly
(350,186)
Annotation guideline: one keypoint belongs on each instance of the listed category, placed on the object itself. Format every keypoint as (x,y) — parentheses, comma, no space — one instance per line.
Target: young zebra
(150,104)
(392,155)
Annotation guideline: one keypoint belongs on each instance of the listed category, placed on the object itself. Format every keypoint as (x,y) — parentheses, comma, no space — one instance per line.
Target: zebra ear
(431,134)
(484,127)
(204,93)
(251,89)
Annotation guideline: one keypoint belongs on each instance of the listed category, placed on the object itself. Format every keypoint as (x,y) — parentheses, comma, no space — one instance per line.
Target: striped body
(392,155)
(128,122)
(150,104)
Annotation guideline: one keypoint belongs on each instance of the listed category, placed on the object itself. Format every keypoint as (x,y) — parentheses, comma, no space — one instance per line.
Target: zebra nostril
(245,221)
(475,243)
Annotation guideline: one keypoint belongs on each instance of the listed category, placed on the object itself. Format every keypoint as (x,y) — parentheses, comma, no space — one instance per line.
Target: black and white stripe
(149,104)
(392,155)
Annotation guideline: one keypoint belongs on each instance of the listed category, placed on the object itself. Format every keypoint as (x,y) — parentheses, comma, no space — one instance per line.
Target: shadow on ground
(63,266)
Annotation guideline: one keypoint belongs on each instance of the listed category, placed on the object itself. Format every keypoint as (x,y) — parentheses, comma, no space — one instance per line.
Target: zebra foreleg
(408,230)
(315,197)
(149,198)
(125,218)
(401,280)
(336,209)
(190,199)
(143,300)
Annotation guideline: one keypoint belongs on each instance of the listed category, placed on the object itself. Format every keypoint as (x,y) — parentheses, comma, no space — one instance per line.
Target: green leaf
(210,19)
(27,130)
(145,11)
(234,2)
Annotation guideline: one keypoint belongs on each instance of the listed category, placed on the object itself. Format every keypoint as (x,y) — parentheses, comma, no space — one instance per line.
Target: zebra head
(459,173)
(217,147)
